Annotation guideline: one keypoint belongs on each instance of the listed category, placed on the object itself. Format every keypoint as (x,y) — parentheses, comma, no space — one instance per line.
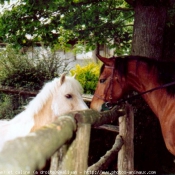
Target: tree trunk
(149,28)
(148,40)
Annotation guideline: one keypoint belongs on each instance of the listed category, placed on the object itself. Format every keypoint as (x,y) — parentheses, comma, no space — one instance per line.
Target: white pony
(57,97)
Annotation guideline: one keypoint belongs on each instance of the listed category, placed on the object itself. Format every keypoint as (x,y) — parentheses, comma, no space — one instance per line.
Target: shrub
(88,76)
(23,71)
(6,106)
(19,70)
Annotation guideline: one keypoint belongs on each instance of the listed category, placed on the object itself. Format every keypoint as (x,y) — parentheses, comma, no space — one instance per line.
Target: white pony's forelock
(72,85)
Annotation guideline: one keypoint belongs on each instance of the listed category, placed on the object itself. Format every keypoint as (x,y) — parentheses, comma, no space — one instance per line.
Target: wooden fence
(25,155)
(70,134)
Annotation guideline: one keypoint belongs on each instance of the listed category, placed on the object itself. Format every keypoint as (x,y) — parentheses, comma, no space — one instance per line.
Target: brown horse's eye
(68,96)
(102,80)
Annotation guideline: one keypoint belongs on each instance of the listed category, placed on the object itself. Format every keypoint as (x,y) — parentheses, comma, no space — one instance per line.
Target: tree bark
(149,26)
(148,39)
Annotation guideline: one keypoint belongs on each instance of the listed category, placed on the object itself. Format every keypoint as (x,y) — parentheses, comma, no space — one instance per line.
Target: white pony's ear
(62,78)
(74,76)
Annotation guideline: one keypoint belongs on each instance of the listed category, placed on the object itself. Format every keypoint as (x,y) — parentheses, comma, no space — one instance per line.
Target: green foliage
(60,21)
(3,1)
(87,76)
(21,71)
(6,106)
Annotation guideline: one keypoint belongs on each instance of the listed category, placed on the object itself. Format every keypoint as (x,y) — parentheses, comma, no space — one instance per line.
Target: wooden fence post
(126,154)
(76,158)
(57,158)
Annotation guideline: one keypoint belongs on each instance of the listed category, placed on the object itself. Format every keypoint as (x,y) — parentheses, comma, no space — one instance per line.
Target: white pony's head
(59,96)
(68,96)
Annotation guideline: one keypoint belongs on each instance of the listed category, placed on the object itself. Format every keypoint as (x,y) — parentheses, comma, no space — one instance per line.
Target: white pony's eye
(68,96)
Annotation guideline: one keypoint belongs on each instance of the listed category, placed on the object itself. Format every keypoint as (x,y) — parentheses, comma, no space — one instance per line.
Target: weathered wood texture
(58,157)
(30,153)
(76,158)
(105,161)
(126,154)
(12,90)
(96,118)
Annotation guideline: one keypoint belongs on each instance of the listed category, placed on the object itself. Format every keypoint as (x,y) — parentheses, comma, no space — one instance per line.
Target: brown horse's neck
(44,116)
(161,103)
(141,80)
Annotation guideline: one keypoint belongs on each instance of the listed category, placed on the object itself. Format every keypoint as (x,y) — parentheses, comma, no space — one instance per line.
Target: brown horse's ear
(106,61)
(62,78)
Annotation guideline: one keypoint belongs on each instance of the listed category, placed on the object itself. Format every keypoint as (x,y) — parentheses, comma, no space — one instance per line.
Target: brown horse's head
(111,85)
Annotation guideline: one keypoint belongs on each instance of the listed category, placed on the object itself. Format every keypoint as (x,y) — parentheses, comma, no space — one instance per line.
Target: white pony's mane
(38,102)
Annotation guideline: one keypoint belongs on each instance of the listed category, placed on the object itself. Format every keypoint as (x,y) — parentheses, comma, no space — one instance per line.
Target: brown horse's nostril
(108,105)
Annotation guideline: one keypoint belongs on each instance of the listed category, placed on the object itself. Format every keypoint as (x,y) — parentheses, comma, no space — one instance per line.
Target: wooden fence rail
(27,154)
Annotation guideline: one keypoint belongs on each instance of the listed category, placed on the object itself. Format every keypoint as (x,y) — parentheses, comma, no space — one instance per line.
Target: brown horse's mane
(164,70)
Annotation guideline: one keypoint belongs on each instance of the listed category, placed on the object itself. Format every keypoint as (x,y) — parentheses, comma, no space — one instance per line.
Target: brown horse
(154,80)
